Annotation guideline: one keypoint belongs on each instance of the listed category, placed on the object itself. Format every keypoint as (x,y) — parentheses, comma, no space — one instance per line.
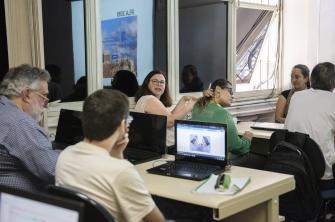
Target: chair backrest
(304,142)
(93,211)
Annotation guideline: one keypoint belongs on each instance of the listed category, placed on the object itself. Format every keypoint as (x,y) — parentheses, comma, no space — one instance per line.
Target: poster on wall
(119,42)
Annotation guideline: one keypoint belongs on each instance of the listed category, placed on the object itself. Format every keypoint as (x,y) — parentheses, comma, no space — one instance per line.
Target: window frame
(94,50)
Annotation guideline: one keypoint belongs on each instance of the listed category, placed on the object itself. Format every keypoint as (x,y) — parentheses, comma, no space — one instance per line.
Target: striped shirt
(27,160)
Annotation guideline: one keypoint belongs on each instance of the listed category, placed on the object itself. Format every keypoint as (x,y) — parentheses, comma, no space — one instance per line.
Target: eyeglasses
(157,82)
(45,99)
(230,90)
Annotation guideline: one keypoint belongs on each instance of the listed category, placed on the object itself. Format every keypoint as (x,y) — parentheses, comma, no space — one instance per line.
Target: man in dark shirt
(27,160)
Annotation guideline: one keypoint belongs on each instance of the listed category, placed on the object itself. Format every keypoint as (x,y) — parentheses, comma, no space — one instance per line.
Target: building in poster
(119,41)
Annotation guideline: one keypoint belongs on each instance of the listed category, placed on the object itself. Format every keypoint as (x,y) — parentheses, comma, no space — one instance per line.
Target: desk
(245,126)
(260,141)
(256,202)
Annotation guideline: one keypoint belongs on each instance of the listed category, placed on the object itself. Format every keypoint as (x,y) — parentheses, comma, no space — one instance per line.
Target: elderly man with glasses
(27,160)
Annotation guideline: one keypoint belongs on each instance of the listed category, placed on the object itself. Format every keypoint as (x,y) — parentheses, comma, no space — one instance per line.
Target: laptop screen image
(20,206)
(198,139)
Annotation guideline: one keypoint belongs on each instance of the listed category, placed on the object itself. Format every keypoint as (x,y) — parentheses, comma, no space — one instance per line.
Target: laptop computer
(267,126)
(69,129)
(201,151)
(147,138)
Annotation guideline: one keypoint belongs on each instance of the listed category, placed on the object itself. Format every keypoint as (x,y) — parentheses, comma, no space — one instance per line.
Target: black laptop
(147,138)
(69,129)
(201,151)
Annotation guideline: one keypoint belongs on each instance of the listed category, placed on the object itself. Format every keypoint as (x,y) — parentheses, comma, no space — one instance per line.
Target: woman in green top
(210,108)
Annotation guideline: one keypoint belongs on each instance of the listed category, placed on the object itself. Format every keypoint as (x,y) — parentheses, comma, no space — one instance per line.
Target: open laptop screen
(22,206)
(201,140)
(69,128)
(147,132)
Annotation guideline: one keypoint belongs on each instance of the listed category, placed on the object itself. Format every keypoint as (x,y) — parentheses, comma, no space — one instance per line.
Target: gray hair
(22,77)
(323,76)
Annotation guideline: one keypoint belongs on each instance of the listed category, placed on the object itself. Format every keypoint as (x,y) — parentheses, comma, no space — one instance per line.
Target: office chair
(93,211)
(315,155)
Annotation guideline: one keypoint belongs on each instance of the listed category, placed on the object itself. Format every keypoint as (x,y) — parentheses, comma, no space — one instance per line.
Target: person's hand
(189,102)
(248,135)
(208,93)
(189,98)
(120,145)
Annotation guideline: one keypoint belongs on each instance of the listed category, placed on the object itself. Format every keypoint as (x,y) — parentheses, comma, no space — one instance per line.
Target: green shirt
(215,113)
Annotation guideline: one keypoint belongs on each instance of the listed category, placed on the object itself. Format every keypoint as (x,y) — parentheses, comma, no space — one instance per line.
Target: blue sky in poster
(119,38)
(143,9)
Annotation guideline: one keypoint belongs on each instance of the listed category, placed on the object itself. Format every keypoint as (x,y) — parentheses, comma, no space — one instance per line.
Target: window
(134,38)
(202,43)
(257,47)
(3,43)
(64,49)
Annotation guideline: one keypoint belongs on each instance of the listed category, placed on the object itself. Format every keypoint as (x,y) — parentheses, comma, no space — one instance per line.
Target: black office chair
(315,155)
(93,211)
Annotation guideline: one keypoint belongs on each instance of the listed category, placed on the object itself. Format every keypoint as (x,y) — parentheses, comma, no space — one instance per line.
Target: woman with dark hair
(191,80)
(153,97)
(210,108)
(299,81)
(126,82)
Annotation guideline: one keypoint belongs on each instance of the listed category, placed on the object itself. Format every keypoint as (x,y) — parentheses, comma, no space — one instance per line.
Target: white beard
(36,111)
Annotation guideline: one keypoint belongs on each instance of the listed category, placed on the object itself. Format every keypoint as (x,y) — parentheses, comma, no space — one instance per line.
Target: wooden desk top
(263,186)
(245,126)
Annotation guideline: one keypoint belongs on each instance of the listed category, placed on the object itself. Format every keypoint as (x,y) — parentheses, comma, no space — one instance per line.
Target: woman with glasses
(211,108)
(153,97)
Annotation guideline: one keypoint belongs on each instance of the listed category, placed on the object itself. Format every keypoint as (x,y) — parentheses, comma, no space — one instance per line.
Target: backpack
(286,157)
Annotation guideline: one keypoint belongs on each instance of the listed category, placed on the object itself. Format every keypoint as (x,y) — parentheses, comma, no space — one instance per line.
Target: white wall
(308,34)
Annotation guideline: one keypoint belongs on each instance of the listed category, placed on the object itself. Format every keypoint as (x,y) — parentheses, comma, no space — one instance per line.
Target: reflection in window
(133,39)
(256,58)
(202,43)
(64,49)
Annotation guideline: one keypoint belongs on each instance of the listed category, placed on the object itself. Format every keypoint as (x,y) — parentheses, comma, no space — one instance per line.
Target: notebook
(147,137)
(201,151)
(267,126)
(69,129)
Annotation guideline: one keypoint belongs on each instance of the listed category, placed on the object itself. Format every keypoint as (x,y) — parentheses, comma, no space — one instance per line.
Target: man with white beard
(27,160)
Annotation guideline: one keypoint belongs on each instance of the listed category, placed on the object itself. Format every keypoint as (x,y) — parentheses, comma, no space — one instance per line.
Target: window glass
(261,2)
(64,49)
(3,43)
(133,36)
(256,49)
(202,43)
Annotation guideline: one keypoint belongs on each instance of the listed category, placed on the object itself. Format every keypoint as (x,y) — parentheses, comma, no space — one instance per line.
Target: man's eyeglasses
(157,82)
(45,99)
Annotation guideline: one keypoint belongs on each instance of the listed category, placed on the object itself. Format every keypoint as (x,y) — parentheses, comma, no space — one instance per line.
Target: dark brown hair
(103,112)
(144,89)
(203,101)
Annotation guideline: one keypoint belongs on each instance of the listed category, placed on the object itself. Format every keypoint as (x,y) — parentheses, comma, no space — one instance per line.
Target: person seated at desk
(96,166)
(210,108)
(312,112)
(126,82)
(27,160)
(299,81)
(153,97)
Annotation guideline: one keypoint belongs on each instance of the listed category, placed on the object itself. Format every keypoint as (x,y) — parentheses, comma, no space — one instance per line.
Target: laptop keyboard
(199,168)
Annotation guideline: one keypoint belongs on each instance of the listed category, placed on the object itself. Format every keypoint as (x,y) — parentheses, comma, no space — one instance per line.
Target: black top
(285,93)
